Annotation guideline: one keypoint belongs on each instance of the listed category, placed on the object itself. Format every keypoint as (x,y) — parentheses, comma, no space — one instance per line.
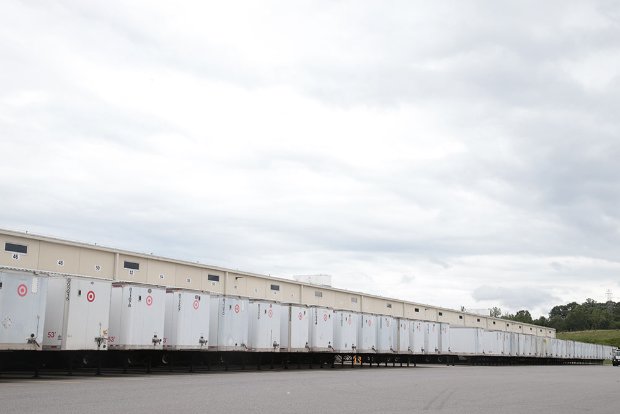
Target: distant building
(320,280)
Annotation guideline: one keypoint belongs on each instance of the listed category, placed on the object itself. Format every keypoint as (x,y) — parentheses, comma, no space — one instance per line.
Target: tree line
(572,316)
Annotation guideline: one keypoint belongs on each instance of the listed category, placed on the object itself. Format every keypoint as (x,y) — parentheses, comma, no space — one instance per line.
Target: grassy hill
(606,337)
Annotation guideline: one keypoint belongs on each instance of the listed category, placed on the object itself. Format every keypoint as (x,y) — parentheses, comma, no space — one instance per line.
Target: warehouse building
(56,256)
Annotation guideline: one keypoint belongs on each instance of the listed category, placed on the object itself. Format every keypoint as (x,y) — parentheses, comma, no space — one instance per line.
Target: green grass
(607,337)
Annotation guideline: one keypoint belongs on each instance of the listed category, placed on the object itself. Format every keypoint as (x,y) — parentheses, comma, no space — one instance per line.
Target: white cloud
(446,153)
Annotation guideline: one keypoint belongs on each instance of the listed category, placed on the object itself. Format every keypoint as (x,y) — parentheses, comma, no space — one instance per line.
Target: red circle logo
(237,308)
(90,296)
(300,316)
(369,322)
(270,313)
(325,317)
(196,303)
(349,321)
(22,290)
(149,300)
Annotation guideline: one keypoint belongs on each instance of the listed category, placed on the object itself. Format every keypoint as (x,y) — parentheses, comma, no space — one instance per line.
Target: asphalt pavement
(423,389)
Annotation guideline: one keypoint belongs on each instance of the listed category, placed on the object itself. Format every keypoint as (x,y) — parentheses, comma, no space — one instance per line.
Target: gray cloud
(514,298)
(468,145)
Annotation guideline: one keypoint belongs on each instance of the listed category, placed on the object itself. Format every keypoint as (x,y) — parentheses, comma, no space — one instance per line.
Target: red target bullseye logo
(325,317)
(149,300)
(300,316)
(369,322)
(349,321)
(90,296)
(22,290)
(196,304)
(270,313)
(237,308)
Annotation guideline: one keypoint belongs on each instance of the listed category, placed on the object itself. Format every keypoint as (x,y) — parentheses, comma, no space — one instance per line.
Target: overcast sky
(452,153)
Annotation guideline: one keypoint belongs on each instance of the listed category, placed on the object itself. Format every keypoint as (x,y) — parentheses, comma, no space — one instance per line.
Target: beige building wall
(381,306)
(290,293)
(318,296)
(347,301)
(161,273)
(395,308)
(509,325)
(58,258)
(494,325)
(236,284)
(431,314)
(476,321)
(256,288)
(28,260)
(131,269)
(451,317)
(185,277)
(212,281)
(417,312)
(96,263)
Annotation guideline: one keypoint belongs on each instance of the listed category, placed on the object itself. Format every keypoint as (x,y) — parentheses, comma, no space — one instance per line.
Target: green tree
(572,316)
(542,321)
(495,312)
(523,316)
(577,319)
